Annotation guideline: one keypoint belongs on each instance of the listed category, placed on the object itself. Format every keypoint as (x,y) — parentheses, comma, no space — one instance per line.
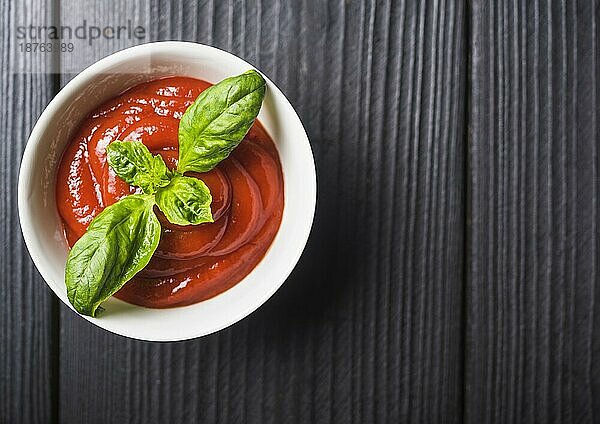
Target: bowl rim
(54,106)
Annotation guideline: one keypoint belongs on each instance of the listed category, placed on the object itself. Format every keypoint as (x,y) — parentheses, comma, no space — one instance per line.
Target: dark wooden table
(452,271)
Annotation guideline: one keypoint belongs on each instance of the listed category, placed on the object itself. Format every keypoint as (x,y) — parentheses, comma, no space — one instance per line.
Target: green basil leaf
(185,201)
(133,162)
(118,243)
(218,121)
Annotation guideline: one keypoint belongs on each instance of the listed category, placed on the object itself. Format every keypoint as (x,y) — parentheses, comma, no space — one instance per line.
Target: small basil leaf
(185,201)
(118,243)
(218,121)
(133,162)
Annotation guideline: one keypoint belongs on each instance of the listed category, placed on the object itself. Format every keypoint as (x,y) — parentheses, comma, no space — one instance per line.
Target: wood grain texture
(28,311)
(368,326)
(90,17)
(533,326)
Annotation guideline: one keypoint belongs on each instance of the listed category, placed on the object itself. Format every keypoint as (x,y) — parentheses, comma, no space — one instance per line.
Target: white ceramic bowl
(41,224)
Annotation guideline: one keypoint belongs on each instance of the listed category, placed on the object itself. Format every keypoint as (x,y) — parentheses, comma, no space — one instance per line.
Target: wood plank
(532,302)
(29,312)
(368,326)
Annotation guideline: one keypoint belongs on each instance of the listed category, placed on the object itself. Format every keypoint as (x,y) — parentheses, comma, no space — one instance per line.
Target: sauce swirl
(191,263)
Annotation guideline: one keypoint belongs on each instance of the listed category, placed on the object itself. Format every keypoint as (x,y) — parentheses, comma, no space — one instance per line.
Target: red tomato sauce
(192,263)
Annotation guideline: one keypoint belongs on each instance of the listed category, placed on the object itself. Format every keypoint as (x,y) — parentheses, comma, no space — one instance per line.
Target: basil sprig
(120,241)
